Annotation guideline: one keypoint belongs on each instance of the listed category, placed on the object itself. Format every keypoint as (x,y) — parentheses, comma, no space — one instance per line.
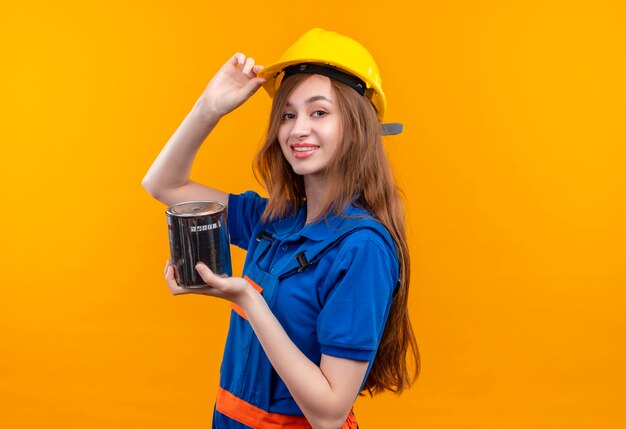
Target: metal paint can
(198,233)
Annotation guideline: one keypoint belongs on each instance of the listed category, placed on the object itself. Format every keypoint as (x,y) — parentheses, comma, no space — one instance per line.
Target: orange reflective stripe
(350,421)
(238,309)
(247,414)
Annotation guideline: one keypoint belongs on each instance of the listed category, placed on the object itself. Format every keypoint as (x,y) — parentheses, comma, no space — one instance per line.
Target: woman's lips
(303,150)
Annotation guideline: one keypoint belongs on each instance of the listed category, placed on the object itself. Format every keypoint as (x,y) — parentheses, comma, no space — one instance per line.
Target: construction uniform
(330,285)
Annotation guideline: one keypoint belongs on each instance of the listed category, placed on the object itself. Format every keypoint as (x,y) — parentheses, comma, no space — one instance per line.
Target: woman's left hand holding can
(232,289)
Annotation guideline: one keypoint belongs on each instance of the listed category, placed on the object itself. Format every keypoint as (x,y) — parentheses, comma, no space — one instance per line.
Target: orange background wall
(512,163)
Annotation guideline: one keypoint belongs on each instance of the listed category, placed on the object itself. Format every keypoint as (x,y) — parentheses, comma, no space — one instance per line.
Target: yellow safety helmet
(317,49)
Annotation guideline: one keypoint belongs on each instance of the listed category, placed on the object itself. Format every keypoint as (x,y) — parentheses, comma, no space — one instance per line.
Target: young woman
(320,313)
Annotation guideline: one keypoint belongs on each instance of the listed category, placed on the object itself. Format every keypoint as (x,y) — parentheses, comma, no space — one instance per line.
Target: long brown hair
(364,180)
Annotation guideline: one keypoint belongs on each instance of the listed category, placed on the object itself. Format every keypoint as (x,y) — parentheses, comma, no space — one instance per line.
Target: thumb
(209,276)
(253,85)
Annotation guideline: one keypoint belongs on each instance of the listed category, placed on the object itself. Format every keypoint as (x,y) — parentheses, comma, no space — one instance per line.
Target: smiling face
(310,128)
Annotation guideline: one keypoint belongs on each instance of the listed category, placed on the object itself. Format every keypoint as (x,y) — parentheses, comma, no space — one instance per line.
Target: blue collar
(317,231)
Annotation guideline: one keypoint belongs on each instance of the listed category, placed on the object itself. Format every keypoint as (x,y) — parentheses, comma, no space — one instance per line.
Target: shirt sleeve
(244,212)
(357,298)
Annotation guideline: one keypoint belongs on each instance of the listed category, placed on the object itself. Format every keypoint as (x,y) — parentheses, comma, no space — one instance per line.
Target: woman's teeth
(304,149)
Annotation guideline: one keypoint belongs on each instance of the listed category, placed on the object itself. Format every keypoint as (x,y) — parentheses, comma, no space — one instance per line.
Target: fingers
(246,65)
(250,70)
(257,68)
(170,279)
(173,286)
(237,59)
(169,270)
(247,68)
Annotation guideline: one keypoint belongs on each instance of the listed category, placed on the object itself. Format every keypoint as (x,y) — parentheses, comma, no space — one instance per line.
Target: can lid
(195,208)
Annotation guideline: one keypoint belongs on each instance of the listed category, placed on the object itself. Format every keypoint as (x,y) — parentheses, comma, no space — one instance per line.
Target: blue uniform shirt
(338,307)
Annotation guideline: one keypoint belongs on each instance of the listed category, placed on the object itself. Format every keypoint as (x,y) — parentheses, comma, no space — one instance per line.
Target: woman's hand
(170,278)
(232,289)
(233,84)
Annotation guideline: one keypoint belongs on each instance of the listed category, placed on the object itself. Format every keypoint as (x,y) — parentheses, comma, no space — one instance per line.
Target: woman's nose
(301,127)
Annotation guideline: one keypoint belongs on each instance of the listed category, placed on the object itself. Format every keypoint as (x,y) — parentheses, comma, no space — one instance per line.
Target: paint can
(198,233)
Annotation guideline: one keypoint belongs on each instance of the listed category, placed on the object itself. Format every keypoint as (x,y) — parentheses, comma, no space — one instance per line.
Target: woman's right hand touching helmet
(231,86)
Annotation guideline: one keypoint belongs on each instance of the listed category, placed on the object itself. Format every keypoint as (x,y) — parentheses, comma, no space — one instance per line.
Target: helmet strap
(332,72)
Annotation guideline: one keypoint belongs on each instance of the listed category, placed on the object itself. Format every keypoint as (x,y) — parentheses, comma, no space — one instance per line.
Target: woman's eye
(319,113)
(287,116)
